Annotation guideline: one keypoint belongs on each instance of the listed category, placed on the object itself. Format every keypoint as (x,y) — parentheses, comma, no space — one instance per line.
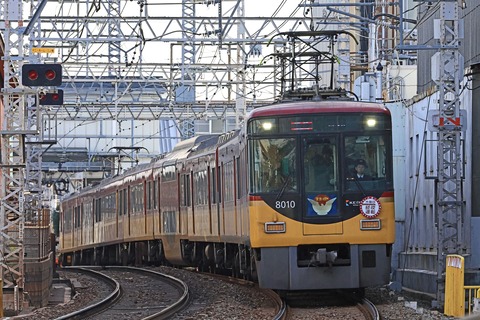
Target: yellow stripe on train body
(298,233)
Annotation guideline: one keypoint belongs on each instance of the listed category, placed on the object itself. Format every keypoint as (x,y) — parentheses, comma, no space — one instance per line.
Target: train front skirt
(279,268)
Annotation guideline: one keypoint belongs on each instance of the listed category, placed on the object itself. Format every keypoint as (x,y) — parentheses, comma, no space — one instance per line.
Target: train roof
(184,148)
(307,107)
(224,138)
(205,145)
(133,170)
(107,182)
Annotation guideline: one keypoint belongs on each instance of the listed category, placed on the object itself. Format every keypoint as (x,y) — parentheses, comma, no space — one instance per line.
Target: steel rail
(99,306)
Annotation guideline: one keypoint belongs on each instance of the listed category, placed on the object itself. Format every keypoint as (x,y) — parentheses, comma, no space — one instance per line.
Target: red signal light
(32,75)
(39,75)
(50,74)
(51,98)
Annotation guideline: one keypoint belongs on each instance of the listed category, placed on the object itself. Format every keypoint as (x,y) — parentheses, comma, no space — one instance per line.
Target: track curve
(121,303)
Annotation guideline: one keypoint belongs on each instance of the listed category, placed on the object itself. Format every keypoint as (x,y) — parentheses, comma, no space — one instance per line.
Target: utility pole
(448,62)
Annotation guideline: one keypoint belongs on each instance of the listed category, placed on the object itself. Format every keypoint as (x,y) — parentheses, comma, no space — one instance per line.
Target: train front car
(315,221)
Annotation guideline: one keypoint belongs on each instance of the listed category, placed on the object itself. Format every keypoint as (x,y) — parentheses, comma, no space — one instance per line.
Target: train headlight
(370,224)
(267,126)
(371,122)
(275,227)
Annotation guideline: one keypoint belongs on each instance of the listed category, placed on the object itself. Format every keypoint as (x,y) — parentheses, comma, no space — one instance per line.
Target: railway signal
(51,99)
(41,75)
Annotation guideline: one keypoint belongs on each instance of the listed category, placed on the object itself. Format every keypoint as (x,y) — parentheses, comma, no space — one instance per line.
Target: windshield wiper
(284,186)
(359,185)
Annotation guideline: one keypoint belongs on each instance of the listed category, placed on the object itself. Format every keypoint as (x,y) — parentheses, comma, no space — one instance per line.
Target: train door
(214,200)
(321,186)
(145,196)
(129,211)
(81,223)
(118,208)
(186,214)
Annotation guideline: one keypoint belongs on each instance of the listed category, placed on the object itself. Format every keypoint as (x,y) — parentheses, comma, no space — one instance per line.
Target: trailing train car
(300,198)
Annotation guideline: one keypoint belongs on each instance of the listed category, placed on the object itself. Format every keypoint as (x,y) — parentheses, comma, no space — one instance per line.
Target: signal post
(20,171)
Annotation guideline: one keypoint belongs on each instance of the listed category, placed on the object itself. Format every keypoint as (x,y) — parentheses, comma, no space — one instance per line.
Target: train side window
(169,222)
(200,187)
(133,194)
(133,199)
(150,194)
(98,210)
(125,202)
(137,198)
(120,202)
(88,214)
(213,185)
(239,178)
(67,220)
(182,190)
(186,190)
(76,217)
(61,220)
(110,206)
(219,188)
(155,194)
(168,173)
(229,181)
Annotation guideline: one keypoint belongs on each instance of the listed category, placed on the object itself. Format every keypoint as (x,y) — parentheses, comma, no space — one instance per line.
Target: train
(277,201)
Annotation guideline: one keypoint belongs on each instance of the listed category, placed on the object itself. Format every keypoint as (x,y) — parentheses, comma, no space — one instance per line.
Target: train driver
(360,166)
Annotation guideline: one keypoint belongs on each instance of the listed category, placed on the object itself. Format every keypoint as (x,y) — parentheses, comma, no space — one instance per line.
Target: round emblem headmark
(370,207)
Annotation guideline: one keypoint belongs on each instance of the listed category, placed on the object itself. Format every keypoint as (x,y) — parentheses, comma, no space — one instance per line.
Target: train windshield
(319,167)
(366,163)
(274,163)
(320,164)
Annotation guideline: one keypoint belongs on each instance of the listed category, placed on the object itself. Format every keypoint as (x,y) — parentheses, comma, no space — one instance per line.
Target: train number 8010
(285,204)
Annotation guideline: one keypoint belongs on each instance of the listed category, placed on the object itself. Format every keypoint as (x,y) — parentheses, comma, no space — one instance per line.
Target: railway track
(136,294)
(137,305)
(368,309)
(358,306)
(327,305)
(280,304)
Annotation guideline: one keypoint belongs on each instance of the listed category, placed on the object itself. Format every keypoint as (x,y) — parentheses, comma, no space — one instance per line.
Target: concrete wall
(38,281)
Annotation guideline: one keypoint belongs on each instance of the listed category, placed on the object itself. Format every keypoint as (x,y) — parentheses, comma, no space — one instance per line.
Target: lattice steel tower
(13,132)
(450,207)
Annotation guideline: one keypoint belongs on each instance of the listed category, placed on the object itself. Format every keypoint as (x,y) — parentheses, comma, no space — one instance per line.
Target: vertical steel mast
(240,101)
(186,92)
(450,208)
(343,48)
(12,138)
